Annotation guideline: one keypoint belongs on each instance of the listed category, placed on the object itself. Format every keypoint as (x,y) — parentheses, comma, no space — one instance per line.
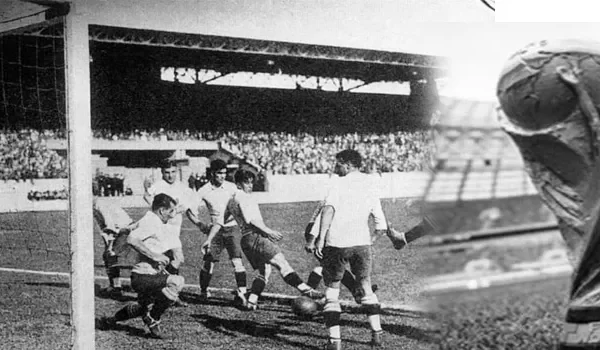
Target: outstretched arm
(327,214)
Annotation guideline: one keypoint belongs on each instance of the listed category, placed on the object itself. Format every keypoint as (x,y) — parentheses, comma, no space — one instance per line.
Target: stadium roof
(228,54)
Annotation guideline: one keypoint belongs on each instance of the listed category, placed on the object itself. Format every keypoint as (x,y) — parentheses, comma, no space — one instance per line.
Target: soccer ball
(304,307)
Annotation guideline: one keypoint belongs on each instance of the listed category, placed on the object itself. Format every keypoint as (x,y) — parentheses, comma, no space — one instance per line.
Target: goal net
(40,270)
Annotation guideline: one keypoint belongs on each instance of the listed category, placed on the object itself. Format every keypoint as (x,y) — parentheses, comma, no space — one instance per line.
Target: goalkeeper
(114,226)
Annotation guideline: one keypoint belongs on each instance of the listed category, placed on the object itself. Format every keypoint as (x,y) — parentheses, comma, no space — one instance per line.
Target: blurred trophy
(549,94)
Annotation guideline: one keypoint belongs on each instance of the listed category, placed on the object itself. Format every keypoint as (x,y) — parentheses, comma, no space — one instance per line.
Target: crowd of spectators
(157,135)
(284,153)
(304,153)
(24,154)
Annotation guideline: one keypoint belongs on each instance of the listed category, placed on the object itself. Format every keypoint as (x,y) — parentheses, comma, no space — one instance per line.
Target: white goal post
(79,137)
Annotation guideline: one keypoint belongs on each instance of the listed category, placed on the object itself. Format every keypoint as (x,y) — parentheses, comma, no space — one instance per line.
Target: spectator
(24,155)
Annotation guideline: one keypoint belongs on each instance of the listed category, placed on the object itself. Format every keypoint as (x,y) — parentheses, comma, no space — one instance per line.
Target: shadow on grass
(414,333)
(193,299)
(272,331)
(49,284)
(130,330)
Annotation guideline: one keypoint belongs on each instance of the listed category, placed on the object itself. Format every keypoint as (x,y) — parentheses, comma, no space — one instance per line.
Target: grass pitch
(521,316)
(34,309)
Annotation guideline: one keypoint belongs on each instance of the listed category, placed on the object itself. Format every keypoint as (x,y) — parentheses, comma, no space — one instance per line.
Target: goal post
(79,138)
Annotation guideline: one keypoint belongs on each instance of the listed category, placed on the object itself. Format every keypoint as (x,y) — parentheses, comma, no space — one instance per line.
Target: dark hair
(167,163)
(243,175)
(217,165)
(162,200)
(349,156)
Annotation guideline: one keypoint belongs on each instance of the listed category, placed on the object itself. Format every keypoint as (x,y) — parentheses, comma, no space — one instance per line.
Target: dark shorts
(148,284)
(335,259)
(258,249)
(228,238)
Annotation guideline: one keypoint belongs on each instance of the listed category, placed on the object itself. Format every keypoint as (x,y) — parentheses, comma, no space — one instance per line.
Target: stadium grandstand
(222,94)
(162,88)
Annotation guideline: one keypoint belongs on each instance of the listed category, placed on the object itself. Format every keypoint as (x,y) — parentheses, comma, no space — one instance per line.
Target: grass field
(522,316)
(35,308)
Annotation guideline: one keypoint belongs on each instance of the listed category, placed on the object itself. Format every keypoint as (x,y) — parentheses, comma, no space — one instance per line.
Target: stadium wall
(282,189)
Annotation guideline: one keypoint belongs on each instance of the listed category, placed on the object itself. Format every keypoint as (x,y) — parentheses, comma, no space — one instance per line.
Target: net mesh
(34,244)
(32,78)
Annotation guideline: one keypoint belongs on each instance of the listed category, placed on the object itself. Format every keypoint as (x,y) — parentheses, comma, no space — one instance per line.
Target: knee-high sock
(114,274)
(130,311)
(332,312)
(373,308)
(161,305)
(258,286)
(240,275)
(295,281)
(315,277)
(206,275)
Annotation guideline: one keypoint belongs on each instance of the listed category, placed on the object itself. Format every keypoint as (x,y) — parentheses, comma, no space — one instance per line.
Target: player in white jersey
(215,195)
(183,195)
(114,224)
(345,239)
(315,277)
(154,275)
(258,242)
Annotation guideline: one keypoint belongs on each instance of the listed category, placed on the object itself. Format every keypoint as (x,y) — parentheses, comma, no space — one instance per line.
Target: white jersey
(157,236)
(216,199)
(354,197)
(244,210)
(182,194)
